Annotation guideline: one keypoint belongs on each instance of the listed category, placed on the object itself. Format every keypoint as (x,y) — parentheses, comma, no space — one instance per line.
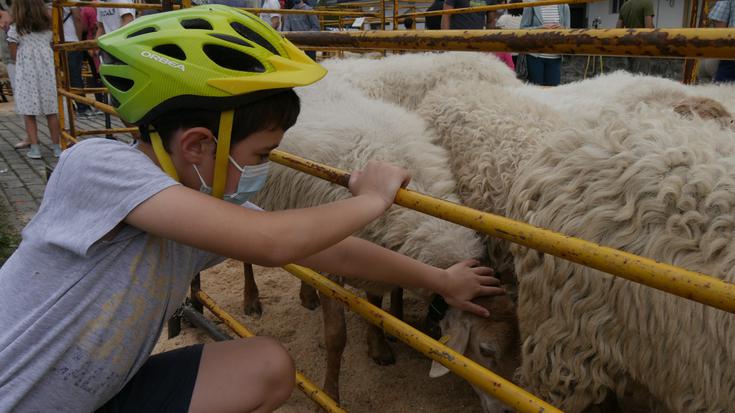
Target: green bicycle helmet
(210,56)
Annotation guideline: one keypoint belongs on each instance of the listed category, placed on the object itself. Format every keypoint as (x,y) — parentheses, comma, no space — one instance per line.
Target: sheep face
(492,342)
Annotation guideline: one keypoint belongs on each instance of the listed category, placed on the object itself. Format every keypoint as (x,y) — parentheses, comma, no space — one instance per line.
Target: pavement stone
(23,180)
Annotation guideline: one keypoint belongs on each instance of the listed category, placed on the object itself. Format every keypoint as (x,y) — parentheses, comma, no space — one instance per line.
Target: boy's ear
(196,144)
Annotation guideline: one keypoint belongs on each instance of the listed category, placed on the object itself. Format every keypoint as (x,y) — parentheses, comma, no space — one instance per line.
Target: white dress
(34,86)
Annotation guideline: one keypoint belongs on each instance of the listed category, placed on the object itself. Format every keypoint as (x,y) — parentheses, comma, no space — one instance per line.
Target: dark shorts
(164,384)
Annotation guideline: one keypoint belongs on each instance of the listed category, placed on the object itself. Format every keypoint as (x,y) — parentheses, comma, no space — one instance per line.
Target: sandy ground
(365,386)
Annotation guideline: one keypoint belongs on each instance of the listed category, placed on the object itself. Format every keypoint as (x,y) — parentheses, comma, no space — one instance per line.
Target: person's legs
(32,133)
(75,75)
(725,71)
(250,375)
(535,67)
(552,72)
(54,131)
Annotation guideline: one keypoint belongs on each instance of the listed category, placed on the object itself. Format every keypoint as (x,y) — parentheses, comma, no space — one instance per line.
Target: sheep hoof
(253,308)
(382,356)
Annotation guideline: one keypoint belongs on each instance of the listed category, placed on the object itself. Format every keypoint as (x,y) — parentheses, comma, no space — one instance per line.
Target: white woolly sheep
(406,79)
(655,185)
(339,126)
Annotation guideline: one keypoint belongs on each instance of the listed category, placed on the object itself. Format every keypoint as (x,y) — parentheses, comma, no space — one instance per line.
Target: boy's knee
(277,368)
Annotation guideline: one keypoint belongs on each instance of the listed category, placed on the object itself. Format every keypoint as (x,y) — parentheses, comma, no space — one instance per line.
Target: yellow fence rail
(675,280)
(488,381)
(714,43)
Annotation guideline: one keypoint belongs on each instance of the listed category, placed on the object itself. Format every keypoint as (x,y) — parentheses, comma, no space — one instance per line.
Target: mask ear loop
(163,158)
(223,153)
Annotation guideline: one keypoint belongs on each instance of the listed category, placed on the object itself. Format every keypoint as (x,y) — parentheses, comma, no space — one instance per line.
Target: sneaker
(35,152)
(57,151)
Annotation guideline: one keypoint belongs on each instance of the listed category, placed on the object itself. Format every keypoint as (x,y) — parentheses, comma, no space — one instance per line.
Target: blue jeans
(75,60)
(544,72)
(725,71)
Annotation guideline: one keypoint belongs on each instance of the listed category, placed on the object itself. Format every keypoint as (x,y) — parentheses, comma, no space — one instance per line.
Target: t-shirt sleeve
(648,8)
(93,188)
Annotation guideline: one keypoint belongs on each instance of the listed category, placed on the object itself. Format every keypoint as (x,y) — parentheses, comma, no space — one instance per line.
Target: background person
(545,69)
(637,14)
(30,40)
(723,15)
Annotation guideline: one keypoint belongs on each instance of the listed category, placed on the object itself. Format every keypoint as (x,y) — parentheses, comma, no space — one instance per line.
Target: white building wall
(668,13)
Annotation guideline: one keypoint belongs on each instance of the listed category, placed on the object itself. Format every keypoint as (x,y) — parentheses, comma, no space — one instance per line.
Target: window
(615,6)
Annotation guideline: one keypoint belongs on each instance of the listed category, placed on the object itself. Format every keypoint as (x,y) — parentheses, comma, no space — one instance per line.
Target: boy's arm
(267,238)
(357,258)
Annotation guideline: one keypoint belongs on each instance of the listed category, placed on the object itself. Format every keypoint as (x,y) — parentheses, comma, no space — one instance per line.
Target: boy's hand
(379,178)
(465,281)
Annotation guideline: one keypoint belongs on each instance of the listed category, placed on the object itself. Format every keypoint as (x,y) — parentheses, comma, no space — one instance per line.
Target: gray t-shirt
(82,309)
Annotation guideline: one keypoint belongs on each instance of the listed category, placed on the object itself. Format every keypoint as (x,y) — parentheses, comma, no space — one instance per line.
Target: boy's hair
(30,16)
(278,111)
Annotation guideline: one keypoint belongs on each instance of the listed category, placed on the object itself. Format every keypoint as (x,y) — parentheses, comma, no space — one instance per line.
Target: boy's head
(205,78)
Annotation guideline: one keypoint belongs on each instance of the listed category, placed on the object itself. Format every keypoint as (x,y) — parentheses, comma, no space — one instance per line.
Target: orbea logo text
(161,59)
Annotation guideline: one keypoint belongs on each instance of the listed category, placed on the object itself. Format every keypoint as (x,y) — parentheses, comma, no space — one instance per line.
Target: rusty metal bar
(675,280)
(113,5)
(718,43)
(395,15)
(309,12)
(382,14)
(309,388)
(74,46)
(91,102)
(88,90)
(68,137)
(110,131)
(484,9)
(55,24)
(489,382)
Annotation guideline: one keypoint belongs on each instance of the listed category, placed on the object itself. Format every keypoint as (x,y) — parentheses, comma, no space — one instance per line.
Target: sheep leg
(378,348)
(335,337)
(309,297)
(251,299)
(396,307)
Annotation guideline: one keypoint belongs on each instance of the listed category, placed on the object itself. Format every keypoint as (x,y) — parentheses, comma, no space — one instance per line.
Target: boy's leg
(535,69)
(250,375)
(247,375)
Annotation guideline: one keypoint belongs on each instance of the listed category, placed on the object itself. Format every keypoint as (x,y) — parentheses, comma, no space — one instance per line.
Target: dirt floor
(365,386)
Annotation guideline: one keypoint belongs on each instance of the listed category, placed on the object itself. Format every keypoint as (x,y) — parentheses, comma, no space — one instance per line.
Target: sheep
(655,185)
(342,127)
(406,79)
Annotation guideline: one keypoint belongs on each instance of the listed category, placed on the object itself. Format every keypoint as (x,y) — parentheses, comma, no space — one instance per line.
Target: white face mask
(252,180)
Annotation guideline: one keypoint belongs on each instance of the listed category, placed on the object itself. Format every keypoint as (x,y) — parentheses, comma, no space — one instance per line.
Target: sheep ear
(458,337)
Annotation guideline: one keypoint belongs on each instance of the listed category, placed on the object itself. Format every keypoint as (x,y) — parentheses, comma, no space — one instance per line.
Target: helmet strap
(221,160)
(163,157)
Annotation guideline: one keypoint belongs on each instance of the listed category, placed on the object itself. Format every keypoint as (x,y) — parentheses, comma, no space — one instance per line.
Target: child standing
(35,81)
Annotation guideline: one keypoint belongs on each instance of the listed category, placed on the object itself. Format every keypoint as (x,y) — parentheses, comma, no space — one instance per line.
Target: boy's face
(253,150)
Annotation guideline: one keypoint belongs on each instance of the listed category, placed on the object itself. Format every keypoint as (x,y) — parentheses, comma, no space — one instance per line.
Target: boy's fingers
(486,280)
(475,309)
(483,271)
(489,291)
(471,262)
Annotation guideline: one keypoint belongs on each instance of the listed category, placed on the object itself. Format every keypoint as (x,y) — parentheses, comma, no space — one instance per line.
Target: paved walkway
(23,180)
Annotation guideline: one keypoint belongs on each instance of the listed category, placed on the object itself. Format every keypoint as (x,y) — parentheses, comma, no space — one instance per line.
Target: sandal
(22,145)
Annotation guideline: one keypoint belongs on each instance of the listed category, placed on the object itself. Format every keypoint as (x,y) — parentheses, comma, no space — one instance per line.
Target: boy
(116,242)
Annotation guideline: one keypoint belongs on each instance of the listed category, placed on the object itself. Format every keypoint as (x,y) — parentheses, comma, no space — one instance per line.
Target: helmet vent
(231,39)
(119,83)
(170,50)
(109,59)
(254,37)
(233,59)
(196,24)
(144,30)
